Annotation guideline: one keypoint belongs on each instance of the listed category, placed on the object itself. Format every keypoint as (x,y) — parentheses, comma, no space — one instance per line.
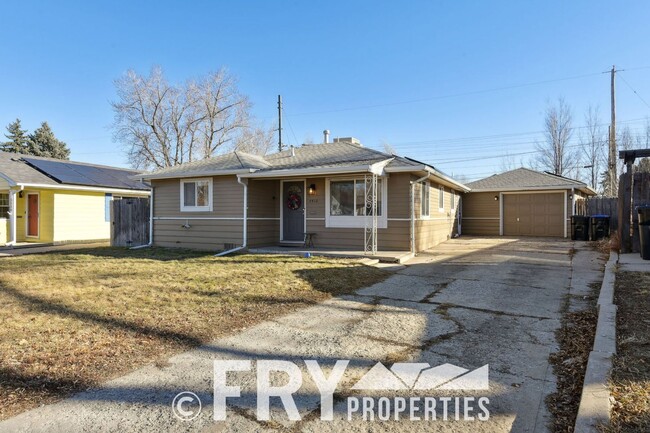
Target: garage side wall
(480,214)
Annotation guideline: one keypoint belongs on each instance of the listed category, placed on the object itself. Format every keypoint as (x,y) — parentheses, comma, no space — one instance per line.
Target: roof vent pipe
(293,151)
(326,135)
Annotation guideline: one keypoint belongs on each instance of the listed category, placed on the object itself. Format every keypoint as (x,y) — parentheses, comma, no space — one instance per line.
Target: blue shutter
(108,198)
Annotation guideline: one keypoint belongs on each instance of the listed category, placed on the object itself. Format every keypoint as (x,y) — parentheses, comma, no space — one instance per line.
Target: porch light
(312,189)
(496,198)
(20,194)
(570,196)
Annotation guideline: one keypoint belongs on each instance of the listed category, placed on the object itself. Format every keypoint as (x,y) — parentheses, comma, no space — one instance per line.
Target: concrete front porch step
(381,256)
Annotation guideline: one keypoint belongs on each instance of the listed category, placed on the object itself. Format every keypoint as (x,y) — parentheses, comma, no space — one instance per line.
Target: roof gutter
(84,188)
(310,171)
(431,171)
(195,174)
(582,188)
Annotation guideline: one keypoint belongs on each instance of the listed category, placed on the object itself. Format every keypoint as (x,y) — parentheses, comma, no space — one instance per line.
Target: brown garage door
(533,214)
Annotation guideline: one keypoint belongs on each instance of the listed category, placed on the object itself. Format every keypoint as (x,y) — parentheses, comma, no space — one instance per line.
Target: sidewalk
(22,250)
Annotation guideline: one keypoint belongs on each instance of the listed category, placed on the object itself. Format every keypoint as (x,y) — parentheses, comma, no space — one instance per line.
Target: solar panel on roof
(87,175)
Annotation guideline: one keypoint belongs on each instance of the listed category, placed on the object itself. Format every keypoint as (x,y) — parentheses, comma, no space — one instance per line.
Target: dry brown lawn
(73,320)
(630,381)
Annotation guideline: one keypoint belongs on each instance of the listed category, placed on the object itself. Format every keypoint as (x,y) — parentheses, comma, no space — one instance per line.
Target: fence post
(624,204)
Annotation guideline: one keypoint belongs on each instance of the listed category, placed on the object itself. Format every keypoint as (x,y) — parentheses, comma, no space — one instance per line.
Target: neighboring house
(324,190)
(522,202)
(46,200)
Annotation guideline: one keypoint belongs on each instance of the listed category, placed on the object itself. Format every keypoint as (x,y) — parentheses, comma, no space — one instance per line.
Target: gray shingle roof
(327,155)
(28,170)
(12,167)
(522,178)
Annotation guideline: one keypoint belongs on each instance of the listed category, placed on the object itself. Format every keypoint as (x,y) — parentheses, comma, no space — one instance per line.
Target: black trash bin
(644,231)
(579,228)
(599,227)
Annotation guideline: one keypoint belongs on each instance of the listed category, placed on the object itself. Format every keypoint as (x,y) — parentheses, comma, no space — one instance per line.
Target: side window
(196,195)
(425,200)
(441,199)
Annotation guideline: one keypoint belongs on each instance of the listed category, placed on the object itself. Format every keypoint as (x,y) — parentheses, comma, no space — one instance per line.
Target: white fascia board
(301,172)
(85,188)
(430,172)
(534,188)
(193,174)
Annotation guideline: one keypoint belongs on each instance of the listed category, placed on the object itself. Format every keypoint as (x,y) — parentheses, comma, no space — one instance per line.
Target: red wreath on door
(294,201)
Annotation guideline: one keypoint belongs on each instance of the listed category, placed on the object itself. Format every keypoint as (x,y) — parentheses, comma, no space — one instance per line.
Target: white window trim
(441,191)
(425,186)
(207,208)
(353,221)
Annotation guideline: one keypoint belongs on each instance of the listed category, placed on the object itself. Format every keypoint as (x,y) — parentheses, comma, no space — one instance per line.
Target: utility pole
(279,123)
(612,159)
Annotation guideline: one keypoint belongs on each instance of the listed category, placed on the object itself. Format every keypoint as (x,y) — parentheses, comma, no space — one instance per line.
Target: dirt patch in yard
(576,340)
(630,381)
(74,320)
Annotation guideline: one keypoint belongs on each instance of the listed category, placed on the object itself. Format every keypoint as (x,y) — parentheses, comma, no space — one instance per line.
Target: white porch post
(12,217)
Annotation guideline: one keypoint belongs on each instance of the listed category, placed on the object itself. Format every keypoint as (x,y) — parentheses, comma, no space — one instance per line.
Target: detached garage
(522,202)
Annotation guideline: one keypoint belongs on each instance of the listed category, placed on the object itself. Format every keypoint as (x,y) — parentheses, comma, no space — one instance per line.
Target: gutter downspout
(244,244)
(150,224)
(422,179)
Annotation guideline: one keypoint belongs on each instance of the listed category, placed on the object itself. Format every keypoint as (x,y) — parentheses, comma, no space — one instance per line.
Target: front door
(293,212)
(32,215)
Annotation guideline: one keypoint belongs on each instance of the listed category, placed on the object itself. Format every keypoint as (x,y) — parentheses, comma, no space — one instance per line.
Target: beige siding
(480,214)
(205,231)
(201,234)
(264,213)
(441,224)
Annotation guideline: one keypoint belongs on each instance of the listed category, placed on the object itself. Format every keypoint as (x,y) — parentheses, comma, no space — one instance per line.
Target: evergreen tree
(18,139)
(42,142)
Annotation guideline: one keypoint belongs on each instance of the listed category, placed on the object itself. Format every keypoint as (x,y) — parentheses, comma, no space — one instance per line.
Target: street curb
(594,406)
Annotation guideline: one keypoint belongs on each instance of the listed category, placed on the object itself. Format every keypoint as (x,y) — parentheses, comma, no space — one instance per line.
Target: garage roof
(522,179)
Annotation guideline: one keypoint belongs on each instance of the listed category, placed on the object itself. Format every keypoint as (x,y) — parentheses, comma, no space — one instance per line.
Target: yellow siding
(80,216)
(4,231)
(46,210)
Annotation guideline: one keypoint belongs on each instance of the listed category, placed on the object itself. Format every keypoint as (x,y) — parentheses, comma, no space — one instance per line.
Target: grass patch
(630,380)
(75,319)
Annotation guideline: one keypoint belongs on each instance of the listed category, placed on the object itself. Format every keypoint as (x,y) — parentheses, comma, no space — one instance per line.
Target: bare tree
(388,148)
(554,153)
(256,140)
(593,142)
(163,125)
(509,162)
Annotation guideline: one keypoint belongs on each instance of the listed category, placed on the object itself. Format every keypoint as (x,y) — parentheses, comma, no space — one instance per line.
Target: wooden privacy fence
(634,191)
(129,222)
(600,206)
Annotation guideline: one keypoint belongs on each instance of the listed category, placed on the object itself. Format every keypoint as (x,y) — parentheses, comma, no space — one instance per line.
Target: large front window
(350,205)
(4,205)
(196,195)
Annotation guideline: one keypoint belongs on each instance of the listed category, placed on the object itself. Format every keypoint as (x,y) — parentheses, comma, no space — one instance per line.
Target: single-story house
(522,202)
(46,200)
(340,194)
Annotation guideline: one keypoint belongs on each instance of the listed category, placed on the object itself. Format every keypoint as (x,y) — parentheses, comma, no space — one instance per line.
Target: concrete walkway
(28,249)
(470,302)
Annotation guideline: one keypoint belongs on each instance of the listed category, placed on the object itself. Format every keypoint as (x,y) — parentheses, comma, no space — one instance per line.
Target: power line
(453,95)
(635,92)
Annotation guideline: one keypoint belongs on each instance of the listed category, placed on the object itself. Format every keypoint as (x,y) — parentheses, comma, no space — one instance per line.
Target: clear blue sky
(350,66)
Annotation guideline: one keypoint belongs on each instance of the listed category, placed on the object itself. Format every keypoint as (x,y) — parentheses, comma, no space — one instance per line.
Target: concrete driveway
(470,302)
